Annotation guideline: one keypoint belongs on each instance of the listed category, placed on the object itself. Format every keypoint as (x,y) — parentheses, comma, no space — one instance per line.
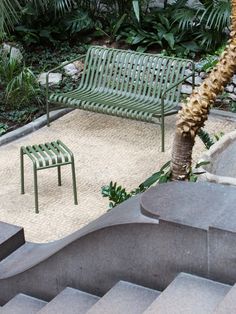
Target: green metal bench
(127,84)
(44,156)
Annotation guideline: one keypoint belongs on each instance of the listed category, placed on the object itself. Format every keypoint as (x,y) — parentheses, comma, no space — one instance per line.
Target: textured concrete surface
(70,301)
(106,148)
(189,295)
(126,298)
(11,238)
(167,202)
(228,305)
(23,304)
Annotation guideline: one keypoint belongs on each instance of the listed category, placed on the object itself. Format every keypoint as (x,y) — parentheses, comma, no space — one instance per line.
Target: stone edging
(223,114)
(32,126)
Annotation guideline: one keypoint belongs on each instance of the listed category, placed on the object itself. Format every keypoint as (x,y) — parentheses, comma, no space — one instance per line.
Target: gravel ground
(105,148)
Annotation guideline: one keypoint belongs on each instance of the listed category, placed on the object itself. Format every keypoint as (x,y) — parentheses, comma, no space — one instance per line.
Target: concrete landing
(194,204)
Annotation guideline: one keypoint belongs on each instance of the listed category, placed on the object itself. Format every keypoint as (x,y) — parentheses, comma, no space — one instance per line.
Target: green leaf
(136,9)
(169,37)
(202,163)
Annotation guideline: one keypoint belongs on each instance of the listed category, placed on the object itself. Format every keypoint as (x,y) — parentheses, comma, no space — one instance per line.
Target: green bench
(127,84)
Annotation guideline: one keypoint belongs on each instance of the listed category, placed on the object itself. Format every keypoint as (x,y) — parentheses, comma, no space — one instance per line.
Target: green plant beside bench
(126,84)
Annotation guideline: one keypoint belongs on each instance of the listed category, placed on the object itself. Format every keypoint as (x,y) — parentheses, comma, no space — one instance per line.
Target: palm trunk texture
(194,113)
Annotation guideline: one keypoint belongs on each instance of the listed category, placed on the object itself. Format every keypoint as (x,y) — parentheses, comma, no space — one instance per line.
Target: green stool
(48,155)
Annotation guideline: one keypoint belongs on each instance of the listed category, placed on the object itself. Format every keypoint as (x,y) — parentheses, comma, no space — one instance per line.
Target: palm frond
(8,14)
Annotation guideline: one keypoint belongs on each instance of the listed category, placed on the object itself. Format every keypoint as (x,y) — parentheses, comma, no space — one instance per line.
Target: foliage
(49,21)
(180,29)
(18,84)
(207,140)
(118,194)
(207,63)
(3,128)
(233,106)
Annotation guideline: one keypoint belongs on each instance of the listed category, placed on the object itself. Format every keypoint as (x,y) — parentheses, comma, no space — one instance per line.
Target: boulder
(54,78)
(15,52)
(74,69)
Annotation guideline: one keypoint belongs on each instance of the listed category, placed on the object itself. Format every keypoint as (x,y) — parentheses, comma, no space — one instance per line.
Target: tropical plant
(118,194)
(18,84)
(194,113)
(182,29)
(50,20)
(207,140)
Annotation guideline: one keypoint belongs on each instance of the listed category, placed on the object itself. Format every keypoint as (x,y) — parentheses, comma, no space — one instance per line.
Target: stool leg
(22,172)
(74,181)
(36,190)
(59,175)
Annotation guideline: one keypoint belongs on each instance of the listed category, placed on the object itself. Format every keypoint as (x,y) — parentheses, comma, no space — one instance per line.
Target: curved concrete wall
(124,244)
(136,249)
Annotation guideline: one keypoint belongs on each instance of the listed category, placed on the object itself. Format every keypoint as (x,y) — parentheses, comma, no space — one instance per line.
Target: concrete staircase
(187,294)
(152,240)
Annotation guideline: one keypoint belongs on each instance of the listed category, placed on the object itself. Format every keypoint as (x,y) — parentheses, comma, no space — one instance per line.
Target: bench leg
(47,111)
(36,191)
(22,172)
(162,134)
(59,175)
(74,182)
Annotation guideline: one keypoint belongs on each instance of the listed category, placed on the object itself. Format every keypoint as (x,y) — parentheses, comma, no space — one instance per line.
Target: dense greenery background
(49,32)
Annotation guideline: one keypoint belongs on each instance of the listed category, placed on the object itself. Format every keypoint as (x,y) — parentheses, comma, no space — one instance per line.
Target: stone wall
(230,89)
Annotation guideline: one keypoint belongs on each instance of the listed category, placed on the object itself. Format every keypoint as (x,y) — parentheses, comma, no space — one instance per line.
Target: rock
(203,75)
(234,79)
(74,69)
(54,78)
(232,96)
(198,80)
(70,69)
(15,52)
(187,72)
(229,88)
(186,89)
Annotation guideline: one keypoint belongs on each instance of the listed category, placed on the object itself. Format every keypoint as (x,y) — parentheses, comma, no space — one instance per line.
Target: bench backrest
(134,74)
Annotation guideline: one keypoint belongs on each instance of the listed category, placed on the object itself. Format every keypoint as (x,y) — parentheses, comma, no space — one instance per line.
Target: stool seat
(49,154)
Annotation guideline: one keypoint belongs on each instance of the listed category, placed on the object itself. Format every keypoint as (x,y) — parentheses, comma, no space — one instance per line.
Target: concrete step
(70,301)
(11,238)
(23,304)
(126,298)
(189,294)
(228,304)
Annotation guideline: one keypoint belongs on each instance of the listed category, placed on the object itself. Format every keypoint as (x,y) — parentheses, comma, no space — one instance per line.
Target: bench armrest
(47,77)
(59,67)
(172,86)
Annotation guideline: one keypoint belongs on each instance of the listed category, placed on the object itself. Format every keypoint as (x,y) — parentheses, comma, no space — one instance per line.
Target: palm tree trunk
(194,113)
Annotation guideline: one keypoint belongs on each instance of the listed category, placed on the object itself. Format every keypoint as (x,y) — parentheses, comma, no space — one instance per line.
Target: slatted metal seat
(44,156)
(128,84)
